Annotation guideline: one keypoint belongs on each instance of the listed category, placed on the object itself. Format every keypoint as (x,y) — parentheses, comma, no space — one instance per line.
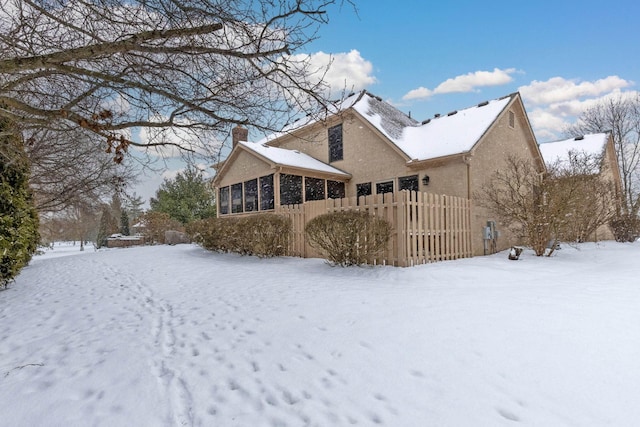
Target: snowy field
(177,336)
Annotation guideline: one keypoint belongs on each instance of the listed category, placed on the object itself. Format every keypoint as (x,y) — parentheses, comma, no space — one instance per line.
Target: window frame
(409,179)
(366,186)
(380,185)
(234,187)
(267,192)
(314,189)
(296,180)
(254,196)
(224,199)
(336,189)
(335,138)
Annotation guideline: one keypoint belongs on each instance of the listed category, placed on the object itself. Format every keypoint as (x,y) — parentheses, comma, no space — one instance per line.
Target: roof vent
(436,115)
(579,138)
(452,113)
(482,104)
(424,122)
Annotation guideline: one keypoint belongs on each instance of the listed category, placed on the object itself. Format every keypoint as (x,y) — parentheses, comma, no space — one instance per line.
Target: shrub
(156,224)
(265,235)
(18,216)
(348,237)
(626,227)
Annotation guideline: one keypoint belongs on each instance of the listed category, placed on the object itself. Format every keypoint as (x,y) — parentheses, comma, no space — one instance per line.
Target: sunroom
(277,177)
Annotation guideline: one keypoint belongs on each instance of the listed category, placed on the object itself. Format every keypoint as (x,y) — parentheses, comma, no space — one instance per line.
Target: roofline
(279,166)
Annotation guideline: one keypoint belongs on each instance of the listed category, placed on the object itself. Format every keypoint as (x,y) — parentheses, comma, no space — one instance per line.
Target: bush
(265,235)
(626,227)
(348,237)
(156,224)
(18,216)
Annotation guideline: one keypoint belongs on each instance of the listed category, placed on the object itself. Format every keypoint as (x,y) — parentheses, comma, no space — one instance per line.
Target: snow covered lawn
(177,336)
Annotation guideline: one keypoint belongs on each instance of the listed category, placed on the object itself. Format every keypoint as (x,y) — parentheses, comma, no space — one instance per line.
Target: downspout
(467,161)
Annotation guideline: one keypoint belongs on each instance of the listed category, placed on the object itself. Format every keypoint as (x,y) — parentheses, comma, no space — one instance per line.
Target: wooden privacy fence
(425,227)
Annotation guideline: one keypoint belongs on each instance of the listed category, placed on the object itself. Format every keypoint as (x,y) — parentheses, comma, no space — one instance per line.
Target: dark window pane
(236,198)
(313,189)
(251,195)
(290,189)
(266,193)
(335,190)
(335,143)
(224,200)
(363,189)
(408,183)
(384,187)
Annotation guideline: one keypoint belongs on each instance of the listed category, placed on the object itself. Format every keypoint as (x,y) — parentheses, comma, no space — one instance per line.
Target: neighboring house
(598,146)
(369,147)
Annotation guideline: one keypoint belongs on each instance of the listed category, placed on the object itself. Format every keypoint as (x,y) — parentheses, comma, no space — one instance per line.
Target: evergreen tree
(133,205)
(18,216)
(186,198)
(124,223)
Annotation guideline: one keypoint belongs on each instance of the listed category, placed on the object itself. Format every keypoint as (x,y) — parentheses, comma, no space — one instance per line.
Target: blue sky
(562,56)
(434,57)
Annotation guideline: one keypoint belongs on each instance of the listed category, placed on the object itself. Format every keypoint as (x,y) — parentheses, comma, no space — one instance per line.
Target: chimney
(239,133)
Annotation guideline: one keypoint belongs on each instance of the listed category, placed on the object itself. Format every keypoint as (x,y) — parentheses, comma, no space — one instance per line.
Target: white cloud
(465,83)
(341,71)
(559,89)
(420,93)
(551,119)
(546,123)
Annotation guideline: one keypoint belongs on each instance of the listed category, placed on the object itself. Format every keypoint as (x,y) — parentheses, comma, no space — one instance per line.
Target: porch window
(335,190)
(290,189)
(313,189)
(266,193)
(251,195)
(384,187)
(224,200)
(363,189)
(335,143)
(236,198)
(408,183)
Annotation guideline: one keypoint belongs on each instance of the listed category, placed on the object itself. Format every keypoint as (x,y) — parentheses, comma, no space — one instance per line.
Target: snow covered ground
(177,336)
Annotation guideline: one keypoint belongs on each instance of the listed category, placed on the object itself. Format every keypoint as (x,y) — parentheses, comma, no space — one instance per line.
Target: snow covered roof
(454,133)
(593,145)
(292,158)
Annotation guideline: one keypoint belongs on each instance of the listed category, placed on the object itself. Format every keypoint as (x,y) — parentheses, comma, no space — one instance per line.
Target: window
(363,189)
(512,119)
(408,183)
(335,143)
(290,189)
(384,187)
(236,198)
(266,193)
(251,195)
(313,189)
(335,190)
(224,200)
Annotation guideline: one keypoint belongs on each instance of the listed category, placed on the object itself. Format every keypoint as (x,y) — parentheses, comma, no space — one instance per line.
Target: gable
(510,134)
(240,166)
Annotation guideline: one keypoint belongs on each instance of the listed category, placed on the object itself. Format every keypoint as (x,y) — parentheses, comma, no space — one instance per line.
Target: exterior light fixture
(425,180)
